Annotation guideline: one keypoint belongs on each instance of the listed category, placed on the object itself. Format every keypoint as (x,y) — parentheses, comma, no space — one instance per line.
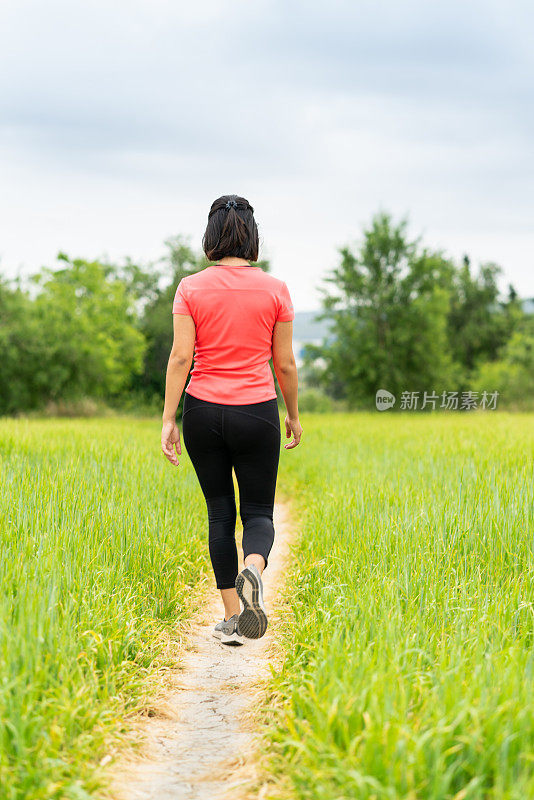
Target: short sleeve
(180,304)
(285,306)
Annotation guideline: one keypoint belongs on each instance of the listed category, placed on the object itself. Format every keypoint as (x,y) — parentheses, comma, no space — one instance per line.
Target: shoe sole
(252,621)
(232,640)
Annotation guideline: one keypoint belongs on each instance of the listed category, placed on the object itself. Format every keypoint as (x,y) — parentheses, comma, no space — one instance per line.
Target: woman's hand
(170,435)
(294,427)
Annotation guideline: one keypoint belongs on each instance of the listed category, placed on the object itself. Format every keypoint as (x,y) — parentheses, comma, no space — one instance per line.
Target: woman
(235,317)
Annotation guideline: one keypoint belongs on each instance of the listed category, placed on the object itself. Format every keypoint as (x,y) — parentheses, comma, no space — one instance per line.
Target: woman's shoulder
(193,278)
(271,280)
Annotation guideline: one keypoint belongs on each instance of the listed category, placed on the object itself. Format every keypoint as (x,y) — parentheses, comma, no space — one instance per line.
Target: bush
(513,375)
(315,401)
(80,407)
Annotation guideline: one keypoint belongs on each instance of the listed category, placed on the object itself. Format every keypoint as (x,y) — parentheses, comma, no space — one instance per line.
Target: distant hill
(307,329)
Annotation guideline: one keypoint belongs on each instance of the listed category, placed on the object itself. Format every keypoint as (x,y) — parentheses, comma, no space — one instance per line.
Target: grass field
(100,543)
(409,666)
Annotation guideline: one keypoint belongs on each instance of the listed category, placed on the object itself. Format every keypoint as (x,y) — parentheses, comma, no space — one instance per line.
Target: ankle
(257,561)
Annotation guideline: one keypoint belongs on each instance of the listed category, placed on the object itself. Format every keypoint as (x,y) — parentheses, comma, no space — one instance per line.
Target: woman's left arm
(177,371)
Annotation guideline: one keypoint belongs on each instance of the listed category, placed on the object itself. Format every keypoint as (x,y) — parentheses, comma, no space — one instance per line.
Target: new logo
(384,400)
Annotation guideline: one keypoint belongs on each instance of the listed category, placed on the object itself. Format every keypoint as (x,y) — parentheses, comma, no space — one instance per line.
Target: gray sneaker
(226,631)
(252,621)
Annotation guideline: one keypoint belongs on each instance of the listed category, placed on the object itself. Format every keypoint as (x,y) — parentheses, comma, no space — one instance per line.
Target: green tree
(512,374)
(22,351)
(89,331)
(141,283)
(478,323)
(389,312)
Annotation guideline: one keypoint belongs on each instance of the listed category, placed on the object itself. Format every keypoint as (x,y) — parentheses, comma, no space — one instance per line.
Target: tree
(89,331)
(478,324)
(389,316)
(22,351)
(512,374)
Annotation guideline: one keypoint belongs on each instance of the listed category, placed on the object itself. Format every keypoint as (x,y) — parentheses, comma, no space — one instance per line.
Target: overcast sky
(122,121)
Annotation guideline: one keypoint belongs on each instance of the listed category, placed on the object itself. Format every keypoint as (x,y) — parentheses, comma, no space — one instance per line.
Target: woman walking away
(234,316)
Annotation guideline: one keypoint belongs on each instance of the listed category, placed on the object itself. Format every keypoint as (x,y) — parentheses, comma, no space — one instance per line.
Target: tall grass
(409,660)
(102,542)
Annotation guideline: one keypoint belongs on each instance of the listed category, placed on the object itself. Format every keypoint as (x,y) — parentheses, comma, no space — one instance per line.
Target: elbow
(180,360)
(285,367)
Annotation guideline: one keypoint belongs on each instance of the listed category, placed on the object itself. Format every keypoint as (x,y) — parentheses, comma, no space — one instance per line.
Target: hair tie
(231,204)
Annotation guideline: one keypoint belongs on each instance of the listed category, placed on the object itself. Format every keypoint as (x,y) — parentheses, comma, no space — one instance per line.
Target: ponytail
(231,229)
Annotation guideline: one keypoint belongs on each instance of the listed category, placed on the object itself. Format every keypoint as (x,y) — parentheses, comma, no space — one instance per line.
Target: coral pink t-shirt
(234,309)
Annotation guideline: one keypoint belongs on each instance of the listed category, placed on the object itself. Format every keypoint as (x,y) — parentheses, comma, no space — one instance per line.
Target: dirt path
(201,735)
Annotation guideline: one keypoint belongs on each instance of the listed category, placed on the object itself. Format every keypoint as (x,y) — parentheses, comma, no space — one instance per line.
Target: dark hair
(231,229)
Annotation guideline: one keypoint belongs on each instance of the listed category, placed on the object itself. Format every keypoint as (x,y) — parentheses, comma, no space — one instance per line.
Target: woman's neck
(233,261)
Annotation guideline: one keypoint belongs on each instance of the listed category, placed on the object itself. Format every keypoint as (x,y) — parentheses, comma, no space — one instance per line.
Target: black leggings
(218,437)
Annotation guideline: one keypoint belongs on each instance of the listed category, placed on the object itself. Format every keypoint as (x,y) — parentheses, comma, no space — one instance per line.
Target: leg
(222,548)
(257,560)
(231,603)
(253,435)
(201,428)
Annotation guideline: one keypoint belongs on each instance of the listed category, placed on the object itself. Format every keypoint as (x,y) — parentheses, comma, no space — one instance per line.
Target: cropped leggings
(218,437)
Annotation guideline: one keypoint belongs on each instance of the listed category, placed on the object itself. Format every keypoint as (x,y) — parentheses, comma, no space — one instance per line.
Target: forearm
(177,372)
(288,381)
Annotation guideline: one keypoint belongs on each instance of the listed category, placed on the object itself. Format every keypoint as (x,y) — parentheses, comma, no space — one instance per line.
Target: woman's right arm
(286,373)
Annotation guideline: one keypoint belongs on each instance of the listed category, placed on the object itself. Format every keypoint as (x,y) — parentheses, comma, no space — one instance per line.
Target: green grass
(409,659)
(101,541)
(409,638)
